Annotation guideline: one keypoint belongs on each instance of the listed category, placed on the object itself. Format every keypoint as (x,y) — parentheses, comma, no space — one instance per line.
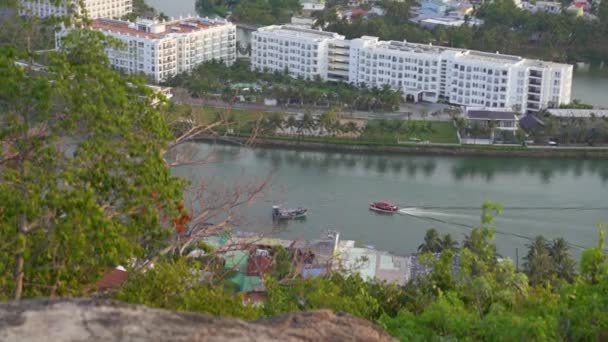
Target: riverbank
(313,144)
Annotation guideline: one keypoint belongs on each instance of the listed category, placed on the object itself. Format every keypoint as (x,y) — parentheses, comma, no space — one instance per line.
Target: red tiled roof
(113,279)
(258,265)
(179,25)
(255,297)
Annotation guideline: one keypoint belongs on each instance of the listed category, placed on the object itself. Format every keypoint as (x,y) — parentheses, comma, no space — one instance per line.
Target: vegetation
(215,80)
(89,171)
(142,10)
(254,12)
(573,130)
(506,28)
(85,185)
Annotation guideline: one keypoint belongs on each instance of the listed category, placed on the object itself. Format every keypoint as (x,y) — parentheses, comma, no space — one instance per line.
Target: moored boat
(383,207)
(279,213)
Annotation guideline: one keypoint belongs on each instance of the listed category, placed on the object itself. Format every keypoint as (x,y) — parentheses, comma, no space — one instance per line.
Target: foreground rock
(92,320)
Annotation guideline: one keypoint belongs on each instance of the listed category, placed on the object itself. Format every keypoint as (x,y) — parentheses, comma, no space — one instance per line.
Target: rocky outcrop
(93,320)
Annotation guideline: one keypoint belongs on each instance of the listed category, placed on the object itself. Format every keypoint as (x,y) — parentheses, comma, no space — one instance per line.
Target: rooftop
(490,115)
(579,113)
(113,279)
(156,30)
(300,31)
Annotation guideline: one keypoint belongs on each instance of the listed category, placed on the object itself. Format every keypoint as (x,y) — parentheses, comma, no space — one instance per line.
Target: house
(543,6)
(113,279)
(482,126)
(503,120)
(258,265)
(531,124)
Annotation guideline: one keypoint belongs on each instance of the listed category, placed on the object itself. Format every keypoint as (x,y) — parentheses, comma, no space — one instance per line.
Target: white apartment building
(422,72)
(163,49)
(94,8)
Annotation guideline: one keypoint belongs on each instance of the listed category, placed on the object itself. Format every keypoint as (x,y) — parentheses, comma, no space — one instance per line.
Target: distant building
(421,72)
(94,8)
(543,6)
(579,113)
(160,50)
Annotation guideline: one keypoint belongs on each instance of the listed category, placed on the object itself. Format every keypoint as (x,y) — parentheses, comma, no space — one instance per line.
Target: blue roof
(313,272)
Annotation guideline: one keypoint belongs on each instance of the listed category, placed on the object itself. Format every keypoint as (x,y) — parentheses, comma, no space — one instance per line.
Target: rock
(61,320)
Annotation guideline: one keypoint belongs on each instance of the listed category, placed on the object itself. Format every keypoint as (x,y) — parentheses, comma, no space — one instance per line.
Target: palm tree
(448,243)
(274,122)
(307,123)
(562,260)
(492,126)
(432,242)
(327,120)
(291,123)
(351,127)
(538,263)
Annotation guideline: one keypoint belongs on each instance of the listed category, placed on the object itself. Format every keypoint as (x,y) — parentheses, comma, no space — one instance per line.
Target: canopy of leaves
(82,147)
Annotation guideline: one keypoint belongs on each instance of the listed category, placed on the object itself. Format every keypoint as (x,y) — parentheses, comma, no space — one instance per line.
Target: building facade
(94,8)
(160,50)
(422,72)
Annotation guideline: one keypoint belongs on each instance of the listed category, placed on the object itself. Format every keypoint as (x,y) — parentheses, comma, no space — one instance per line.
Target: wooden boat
(279,213)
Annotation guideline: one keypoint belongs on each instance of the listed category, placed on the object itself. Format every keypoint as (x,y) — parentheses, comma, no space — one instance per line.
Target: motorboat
(280,213)
(383,207)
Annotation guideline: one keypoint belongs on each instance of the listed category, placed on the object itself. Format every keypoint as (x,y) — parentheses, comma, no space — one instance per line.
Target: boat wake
(430,213)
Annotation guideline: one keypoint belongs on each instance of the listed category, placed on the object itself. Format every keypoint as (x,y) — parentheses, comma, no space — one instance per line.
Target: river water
(338,186)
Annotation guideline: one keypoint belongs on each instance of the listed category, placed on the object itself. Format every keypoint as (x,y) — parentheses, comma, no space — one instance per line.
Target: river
(338,186)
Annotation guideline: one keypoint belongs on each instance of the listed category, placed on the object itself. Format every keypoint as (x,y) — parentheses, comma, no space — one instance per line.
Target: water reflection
(461,168)
(546,169)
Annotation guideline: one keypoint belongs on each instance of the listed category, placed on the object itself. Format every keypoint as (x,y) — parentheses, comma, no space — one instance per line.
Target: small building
(543,6)
(258,265)
(504,120)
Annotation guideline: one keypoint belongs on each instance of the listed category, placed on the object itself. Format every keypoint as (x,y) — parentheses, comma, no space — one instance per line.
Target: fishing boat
(279,213)
(383,207)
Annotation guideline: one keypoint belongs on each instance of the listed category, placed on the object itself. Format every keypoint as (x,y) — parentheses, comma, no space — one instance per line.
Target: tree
(327,120)
(448,243)
(307,123)
(104,195)
(432,242)
(539,265)
(291,123)
(563,263)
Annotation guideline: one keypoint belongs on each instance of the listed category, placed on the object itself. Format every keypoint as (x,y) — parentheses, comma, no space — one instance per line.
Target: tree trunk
(18,272)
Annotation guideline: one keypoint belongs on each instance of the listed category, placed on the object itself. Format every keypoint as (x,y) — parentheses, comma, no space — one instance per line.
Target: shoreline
(445,150)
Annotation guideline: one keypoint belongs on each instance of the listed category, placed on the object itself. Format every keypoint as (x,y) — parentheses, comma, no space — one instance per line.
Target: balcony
(534,81)
(534,90)
(534,98)
(534,73)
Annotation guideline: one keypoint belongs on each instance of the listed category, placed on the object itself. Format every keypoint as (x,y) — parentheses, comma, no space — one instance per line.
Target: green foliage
(506,28)
(337,292)
(208,80)
(82,146)
(254,12)
(184,286)
(283,265)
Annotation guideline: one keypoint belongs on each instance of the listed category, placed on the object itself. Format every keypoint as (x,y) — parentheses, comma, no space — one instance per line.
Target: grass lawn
(207,115)
(441,133)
